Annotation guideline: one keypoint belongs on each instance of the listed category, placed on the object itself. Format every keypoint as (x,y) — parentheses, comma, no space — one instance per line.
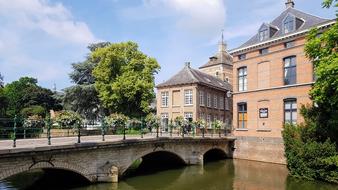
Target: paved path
(60,141)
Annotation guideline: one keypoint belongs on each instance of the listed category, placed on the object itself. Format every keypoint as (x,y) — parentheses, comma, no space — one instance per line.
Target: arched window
(289,24)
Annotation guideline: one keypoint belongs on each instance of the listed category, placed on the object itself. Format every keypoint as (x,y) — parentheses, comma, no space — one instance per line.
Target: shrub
(308,158)
(33,110)
(68,119)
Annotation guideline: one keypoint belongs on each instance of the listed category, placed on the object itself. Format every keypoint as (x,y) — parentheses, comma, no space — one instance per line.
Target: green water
(220,175)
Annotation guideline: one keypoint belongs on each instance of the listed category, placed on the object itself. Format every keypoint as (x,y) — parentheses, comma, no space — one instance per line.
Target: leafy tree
(3,99)
(25,93)
(124,78)
(310,148)
(83,97)
(33,111)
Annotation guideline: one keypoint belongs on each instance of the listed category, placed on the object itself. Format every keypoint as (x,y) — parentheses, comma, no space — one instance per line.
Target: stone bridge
(106,161)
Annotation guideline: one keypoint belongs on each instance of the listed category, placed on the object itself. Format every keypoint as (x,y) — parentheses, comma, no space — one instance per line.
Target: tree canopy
(83,97)
(124,78)
(25,93)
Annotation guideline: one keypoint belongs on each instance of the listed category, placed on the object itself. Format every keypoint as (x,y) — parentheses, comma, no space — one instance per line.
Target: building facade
(272,75)
(194,94)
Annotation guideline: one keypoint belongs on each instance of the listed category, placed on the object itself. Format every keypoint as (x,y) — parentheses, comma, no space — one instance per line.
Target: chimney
(187,64)
(290,4)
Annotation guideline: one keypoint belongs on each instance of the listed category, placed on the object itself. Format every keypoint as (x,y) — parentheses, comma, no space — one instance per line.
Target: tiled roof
(309,22)
(222,57)
(192,76)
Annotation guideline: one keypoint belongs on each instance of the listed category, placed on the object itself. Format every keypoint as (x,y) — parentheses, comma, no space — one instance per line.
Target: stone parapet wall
(263,149)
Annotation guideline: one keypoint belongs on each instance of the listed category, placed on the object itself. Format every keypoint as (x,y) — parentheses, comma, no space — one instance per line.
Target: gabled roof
(309,22)
(192,76)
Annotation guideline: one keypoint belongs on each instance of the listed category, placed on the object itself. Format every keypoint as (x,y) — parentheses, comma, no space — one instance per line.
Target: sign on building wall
(263,113)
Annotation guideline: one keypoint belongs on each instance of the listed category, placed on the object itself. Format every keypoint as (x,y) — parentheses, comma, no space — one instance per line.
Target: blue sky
(41,38)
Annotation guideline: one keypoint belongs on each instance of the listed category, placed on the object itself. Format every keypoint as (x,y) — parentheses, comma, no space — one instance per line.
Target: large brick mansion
(269,77)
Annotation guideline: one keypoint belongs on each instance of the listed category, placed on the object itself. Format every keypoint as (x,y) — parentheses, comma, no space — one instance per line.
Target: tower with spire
(220,65)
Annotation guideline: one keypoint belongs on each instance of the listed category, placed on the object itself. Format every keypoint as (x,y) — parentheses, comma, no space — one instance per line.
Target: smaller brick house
(196,95)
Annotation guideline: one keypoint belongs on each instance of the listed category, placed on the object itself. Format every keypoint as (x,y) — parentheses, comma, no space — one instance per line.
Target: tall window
(201,98)
(242,79)
(221,102)
(290,111)
(188,97)
(215,101)
(290,74)
(263,34)
(209,120)
(202,116)
(208,100)
(289,24)
(187,115)
(165,98)
(242,115)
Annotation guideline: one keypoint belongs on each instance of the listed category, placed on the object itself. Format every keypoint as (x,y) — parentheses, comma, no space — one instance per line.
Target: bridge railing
(16,128)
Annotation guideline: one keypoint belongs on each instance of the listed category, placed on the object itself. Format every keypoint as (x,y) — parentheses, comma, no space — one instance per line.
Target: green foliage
(33,110)
(117,120)
(124,78)
(308,158)
(328,4)
(217,124)
(179,121)
(25,93)
(153,121)
(83,97)
(68,119)
(310,148)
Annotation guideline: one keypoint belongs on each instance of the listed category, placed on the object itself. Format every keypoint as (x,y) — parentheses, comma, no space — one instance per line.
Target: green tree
(124,78)
(25,93)
(310,148)
(83,97)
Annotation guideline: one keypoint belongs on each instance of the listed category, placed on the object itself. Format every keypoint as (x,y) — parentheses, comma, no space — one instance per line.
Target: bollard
(14,132)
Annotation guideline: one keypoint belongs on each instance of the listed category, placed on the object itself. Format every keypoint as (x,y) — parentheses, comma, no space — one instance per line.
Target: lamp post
(103,130)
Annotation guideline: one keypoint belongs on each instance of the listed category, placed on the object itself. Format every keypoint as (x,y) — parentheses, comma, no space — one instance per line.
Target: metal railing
(18,128)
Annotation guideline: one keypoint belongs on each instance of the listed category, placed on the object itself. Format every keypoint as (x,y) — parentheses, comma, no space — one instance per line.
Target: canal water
(219,175)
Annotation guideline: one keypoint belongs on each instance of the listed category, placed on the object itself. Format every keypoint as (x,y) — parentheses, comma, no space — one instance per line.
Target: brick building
(272,76)
(194,94)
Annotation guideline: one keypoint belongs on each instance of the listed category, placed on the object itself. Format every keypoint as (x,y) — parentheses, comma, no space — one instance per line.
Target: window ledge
(263,130)
(243,129)
(164,106)
(175,106)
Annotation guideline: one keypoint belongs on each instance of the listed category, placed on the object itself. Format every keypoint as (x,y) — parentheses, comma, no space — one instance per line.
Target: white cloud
(197,17)
(54,19)
(40,39)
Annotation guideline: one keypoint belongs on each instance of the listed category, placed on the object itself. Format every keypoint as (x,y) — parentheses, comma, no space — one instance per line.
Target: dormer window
(289,24)
(263,34)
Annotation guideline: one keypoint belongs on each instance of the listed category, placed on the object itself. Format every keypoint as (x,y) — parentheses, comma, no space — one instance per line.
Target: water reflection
(225,175)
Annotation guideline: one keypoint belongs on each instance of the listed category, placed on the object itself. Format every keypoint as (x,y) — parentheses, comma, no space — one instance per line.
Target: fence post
(14,132)
(103,130)
(142,123)
(78,133)
(157,127)
(124,131)
(48,130)
(24,130)
(203,131)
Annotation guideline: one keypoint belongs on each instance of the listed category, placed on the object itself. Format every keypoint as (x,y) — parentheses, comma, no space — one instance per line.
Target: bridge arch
(214,154)
(49,165)
(155,158)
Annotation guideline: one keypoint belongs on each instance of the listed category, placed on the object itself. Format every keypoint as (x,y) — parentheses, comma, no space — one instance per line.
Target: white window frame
(208,100)
(165,99)
(188,97)
(202,98)
(215,101)
(221,102)
(242,79)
